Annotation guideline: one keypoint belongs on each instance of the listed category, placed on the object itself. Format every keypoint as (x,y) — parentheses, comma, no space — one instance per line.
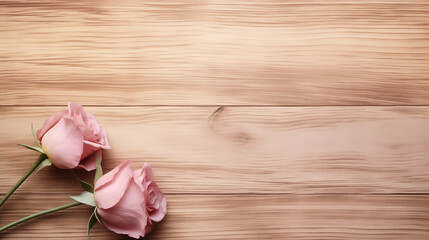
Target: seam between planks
(220,105)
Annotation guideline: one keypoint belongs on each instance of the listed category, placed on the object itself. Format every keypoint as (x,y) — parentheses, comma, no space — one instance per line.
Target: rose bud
(129,202)
(73,139)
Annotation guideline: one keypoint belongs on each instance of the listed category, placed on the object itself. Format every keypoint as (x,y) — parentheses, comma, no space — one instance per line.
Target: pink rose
(156,203)
(129,202)
(73,138)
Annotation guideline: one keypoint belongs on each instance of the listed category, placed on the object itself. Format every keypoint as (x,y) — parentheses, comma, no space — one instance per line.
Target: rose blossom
(129,202)
(73,138)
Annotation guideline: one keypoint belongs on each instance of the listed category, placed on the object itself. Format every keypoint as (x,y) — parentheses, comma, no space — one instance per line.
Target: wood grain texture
(247,217)
(249,149)
(214,52)
(324,133)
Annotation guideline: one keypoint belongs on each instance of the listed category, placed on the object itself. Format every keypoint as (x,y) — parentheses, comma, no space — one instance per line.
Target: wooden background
(262,119)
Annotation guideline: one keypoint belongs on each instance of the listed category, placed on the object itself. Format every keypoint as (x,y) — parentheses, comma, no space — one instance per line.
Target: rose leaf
(37,149)
(85,198)
(45,163)
(92,220)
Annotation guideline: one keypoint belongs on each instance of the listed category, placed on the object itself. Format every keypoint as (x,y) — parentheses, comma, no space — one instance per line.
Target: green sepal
(34,134)
(45,163)
(86,186)
(98,171)
(92,220)
(97,216)
(85,198)
(37,149)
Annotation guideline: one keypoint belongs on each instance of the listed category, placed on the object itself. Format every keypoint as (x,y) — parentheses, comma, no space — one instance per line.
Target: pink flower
(73,138)
(156,203)
(129,202)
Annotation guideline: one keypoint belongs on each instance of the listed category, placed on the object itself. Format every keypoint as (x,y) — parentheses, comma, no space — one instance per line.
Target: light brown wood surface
(214,52)
(262,119)
(251,217)
(251,149)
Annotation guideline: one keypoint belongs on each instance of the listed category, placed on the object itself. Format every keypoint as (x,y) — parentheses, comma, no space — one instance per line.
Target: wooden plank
(247,149)
(246,217)
(214,52)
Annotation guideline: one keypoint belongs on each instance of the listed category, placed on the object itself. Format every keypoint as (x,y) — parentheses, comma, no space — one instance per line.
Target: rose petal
(75,109)
(155,196)
(149,171)
(90,162)
(83,120)
(103,139)
(110,188)
(158,214)
(155,200)
(139,174)
(49,123)
(63,144)
(144,174)
(149,227)
(129,215)
(91,129)
(89,148)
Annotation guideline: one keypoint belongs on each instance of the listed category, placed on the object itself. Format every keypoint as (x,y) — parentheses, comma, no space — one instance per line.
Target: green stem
(31,170)
(68,205)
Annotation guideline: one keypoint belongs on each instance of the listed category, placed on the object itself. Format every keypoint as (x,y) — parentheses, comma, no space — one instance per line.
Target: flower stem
(68,205)
(31,170)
